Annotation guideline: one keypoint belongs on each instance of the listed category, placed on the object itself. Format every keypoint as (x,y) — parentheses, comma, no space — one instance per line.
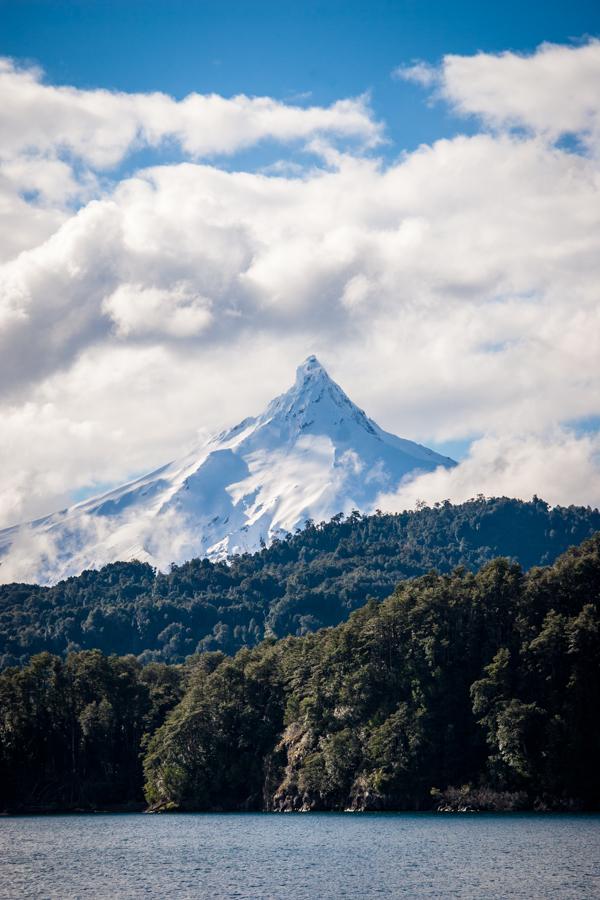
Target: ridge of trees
(309,580)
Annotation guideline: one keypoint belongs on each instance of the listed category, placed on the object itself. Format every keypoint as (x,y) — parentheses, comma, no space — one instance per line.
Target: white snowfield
(311,454)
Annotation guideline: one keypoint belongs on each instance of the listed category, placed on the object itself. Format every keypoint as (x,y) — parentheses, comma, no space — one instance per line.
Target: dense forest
(312,579)
(72,730)
(461,690)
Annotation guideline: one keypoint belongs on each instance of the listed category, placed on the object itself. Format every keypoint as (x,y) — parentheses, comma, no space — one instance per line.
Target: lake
(304,856)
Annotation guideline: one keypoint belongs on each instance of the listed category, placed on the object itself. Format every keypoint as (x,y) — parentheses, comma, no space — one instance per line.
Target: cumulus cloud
(560,467)
(453,292)
(55,141)
(178,312)
(100,126)
(552,92)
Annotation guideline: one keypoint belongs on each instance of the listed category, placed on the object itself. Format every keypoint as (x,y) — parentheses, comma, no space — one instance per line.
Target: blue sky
(448,276)
(322,49)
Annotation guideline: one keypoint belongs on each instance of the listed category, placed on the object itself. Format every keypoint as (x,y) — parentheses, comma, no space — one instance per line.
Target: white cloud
(551,92)
(91,541)
(100,126)
(55,140)
(560,467)
(452,293)
(177,312)
(419,72)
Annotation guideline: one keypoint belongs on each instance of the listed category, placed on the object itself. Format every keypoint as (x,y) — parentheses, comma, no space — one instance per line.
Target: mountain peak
(311,368)
(313,389)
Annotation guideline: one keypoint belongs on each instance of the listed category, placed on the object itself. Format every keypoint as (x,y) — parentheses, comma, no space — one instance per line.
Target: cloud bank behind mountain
(454,291)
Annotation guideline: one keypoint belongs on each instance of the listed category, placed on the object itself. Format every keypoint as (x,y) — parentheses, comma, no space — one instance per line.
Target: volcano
(311,454)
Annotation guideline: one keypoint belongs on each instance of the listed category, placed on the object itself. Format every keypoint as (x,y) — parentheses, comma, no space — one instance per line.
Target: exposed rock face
(294,791)
(291,793)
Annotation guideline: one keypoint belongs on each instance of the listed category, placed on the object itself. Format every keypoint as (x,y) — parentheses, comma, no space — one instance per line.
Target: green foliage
(479,690)
(313,579)
(71,730)
(462,690)
(211,748)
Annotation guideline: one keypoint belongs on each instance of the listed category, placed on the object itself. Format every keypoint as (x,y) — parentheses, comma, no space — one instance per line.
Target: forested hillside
(461,690)
(314,578)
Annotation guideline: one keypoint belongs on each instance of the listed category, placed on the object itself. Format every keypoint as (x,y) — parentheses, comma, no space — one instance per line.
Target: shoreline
(142,810)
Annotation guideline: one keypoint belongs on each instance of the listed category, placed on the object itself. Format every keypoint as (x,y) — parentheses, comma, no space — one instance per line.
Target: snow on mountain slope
(311,454)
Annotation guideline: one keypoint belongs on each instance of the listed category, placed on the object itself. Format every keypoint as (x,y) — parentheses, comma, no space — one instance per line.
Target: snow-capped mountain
(311,454)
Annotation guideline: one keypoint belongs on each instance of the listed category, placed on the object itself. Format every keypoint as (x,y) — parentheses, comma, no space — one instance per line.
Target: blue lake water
(308,856)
